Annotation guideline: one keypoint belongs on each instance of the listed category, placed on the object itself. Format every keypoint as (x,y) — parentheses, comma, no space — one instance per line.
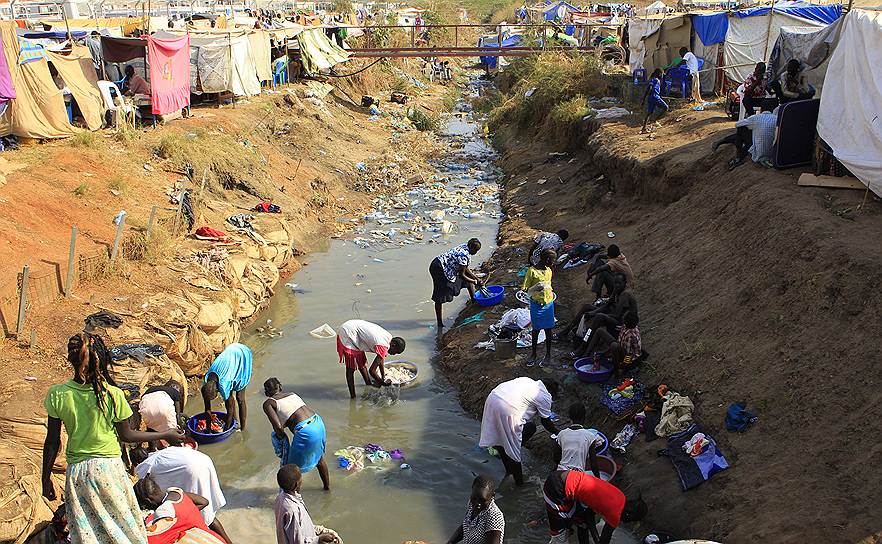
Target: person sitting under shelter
(572,500)
(577,447)
(547,240)
(507,420)
(754,135)
(188,469)
(134,83)
(288,411)
(294,525)
(228,376)
(754,89)
(792,85)
(357,337)
(174,515)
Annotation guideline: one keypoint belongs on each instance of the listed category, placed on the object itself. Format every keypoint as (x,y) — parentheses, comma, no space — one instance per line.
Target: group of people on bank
(177,494)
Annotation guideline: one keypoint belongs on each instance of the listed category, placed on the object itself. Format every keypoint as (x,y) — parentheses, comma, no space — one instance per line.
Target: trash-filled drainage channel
(379,273)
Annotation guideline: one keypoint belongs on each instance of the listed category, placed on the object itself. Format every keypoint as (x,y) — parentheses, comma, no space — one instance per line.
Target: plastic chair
(280,71)
(113,101)
(680,78)
(639,76)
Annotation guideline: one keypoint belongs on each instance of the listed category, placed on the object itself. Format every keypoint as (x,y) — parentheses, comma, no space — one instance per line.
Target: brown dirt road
(750,288)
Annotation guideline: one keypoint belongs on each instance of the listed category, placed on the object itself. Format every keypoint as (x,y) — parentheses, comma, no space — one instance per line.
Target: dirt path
(750,289)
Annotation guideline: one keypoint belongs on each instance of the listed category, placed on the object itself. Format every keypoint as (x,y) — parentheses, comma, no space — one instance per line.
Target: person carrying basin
(507,420)
(228,376)
(307,447)
(450,272)
(356,337)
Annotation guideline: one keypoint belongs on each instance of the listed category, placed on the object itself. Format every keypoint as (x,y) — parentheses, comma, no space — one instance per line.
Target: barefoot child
(537,283)
(653,98)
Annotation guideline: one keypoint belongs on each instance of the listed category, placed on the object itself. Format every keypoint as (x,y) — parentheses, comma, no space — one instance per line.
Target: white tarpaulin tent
(750,40)
(849,119)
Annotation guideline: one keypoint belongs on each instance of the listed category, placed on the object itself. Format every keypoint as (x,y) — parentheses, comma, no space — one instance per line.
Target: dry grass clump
(560,85)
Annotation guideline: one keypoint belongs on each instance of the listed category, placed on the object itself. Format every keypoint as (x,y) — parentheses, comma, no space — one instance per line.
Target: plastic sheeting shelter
(317,52)
(169,73)
(656,40)
(38,109)
(557,10)
(77,71)
(492,41)
(849,116)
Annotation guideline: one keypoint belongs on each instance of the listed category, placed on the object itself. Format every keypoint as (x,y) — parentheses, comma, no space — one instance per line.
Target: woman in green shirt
(101,506)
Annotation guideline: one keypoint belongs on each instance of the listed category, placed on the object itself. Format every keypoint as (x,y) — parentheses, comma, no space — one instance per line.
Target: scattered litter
(610,234)
(31,378)
(119,217)
(530,92)
(624,437)
(404,466)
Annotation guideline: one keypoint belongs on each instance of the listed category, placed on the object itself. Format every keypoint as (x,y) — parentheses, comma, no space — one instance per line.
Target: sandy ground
(292,152)
(750,289)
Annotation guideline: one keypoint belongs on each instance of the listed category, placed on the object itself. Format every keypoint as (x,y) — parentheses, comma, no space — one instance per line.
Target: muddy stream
(389,284)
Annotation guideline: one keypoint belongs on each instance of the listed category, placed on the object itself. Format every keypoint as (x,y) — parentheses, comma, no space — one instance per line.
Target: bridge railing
(460,40)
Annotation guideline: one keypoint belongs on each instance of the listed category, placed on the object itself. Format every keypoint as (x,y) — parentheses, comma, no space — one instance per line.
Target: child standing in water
(537,283)
(653,98)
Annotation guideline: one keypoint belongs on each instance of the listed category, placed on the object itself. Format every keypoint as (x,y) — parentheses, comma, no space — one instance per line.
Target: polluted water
(380,273)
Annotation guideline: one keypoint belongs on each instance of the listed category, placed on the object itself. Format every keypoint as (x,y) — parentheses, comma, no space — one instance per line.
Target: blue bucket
(210,438)
(496,294)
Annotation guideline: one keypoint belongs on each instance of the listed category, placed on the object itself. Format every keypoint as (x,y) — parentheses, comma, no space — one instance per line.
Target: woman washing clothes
(101,506)
(288,411)
(174,515)
(537,283)
(228,376)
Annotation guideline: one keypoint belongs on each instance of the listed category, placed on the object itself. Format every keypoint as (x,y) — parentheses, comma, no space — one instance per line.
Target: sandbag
(191,350)
(153,371)
(31,432)
(223,336)
(22,506)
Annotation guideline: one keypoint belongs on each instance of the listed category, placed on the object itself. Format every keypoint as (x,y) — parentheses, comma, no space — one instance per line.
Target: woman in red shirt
(174,515)
(572,498)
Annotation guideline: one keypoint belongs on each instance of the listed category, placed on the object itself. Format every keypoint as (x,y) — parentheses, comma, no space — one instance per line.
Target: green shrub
(83,139)
(423,121)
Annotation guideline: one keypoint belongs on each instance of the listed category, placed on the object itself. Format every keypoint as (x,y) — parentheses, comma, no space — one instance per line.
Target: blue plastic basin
(496,294)
(210,438)
(586,373)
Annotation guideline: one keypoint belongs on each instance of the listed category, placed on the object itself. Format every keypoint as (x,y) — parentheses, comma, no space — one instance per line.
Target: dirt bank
(750,289)
(318,156)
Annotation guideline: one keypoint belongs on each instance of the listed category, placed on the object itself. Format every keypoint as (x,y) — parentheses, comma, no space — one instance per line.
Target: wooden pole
(202,187)
(150,221)
(116,239)
(71,256)
(22,300)
(769,32)
(178,213)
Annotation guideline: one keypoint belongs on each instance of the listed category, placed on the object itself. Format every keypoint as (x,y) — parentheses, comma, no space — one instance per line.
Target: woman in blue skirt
(537,283)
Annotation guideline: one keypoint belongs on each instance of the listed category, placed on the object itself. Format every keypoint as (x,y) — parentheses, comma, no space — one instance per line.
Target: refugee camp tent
(811,46)
(849,115)
(77,71)
(38,108)
(492,41)
(223,61)
(558,10)
(317,52)
(751,34)
(654,41)
(710,33)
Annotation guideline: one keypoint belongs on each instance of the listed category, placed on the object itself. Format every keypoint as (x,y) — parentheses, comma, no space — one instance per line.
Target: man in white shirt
(691,62)
(577,446)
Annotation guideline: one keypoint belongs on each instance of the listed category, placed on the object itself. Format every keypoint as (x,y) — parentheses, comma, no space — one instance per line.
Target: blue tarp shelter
(824,14)
(493,41)
(557,9)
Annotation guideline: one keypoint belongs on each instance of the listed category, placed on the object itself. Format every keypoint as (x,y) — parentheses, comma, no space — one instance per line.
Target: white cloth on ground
(191,470)
(508,407)
(157,411)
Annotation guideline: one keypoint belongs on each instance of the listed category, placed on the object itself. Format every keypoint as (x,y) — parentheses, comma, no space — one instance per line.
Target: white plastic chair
(118,106)
(742,111)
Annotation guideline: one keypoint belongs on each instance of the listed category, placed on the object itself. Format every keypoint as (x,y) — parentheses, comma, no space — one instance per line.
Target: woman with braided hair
(101,506)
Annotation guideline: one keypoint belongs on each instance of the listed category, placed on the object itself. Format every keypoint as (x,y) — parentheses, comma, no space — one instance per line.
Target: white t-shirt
(365,336)
(526,396)
(691,62)
(191,470)
(575,442)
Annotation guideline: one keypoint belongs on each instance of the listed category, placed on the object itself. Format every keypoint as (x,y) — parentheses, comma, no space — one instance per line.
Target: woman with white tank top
(307,447)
